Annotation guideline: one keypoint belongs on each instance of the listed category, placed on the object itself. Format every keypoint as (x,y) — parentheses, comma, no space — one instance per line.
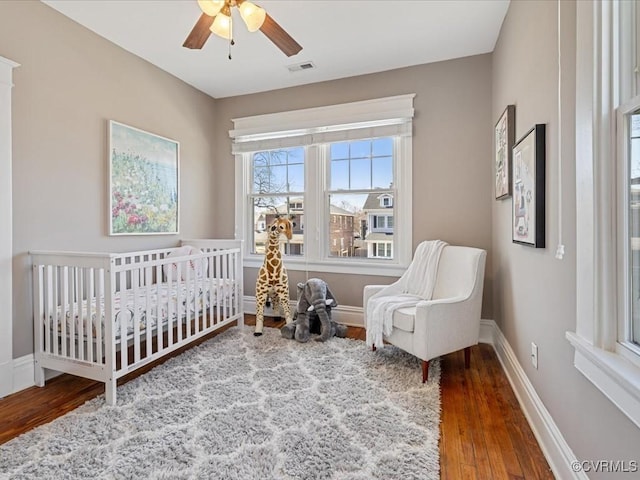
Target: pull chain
(231,42)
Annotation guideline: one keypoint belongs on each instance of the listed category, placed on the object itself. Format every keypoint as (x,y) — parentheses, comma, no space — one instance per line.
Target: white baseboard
(23,373)
(344,314)
(18,374)
(552,443)
(487,328)
(354,317)
(6,378)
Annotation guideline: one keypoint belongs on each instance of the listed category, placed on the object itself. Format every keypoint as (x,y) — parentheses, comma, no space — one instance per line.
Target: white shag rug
(248,408)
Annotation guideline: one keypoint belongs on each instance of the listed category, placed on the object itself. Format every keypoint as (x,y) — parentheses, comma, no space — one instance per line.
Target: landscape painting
(143,186)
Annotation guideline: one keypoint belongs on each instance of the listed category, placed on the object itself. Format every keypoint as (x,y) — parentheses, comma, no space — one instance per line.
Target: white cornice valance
(389,116)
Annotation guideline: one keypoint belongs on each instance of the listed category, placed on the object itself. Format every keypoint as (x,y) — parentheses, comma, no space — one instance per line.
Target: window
(607,180)
(381,249)
(381,223)
(362,172)
(630,156)
(277,176)
(344,169)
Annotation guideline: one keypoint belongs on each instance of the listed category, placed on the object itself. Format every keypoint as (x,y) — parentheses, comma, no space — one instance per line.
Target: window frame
(604,81)
(624,345)
(316,128)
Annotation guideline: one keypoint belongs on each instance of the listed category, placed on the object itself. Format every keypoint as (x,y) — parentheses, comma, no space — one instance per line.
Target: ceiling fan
(216,17)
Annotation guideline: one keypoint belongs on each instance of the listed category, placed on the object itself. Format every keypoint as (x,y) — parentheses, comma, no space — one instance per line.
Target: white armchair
(450,321)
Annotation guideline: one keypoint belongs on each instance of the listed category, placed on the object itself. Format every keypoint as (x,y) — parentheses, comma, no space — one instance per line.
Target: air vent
(298,67)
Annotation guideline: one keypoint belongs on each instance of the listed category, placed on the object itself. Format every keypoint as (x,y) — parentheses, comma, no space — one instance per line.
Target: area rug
(248,408)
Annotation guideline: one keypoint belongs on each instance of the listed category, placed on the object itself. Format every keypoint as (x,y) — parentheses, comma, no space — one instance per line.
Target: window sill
(613,374)
(379,268)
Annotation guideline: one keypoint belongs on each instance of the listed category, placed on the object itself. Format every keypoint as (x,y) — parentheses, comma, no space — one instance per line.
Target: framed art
(143,182)
(528,188)
(504,137)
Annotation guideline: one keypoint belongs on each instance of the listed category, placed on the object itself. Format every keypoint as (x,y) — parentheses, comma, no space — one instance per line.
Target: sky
(359,165)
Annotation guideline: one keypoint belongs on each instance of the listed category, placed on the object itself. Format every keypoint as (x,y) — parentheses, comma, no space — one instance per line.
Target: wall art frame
(528,186)
(503,139)
(144,181)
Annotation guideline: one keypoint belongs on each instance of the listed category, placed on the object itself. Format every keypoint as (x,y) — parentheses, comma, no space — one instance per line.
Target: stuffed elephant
(313,314)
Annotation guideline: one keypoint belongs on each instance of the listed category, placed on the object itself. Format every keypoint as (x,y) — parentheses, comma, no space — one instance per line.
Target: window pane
(278,171)
(359,229)
(361,174)
(361,149)
(383,147)
(339,150)
(269,180)
(339,174)
(382,172)
(278,178)
(345,225)
(296,178)
(362,165)
(265,210)
(634,225)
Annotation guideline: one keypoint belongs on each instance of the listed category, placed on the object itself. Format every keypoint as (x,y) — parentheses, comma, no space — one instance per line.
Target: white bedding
(163,304)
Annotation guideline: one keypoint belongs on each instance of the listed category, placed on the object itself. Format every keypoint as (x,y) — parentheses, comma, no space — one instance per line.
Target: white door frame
(6,247)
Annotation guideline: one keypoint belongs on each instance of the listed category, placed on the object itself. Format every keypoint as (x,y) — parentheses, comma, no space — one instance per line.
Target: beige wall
(70,83)
(534,293)
(452,180)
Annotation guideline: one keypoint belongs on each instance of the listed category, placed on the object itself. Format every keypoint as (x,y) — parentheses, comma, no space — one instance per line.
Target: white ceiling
(342,38)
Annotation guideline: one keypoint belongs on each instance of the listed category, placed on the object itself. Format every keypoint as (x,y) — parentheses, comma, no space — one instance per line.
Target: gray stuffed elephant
(313,314)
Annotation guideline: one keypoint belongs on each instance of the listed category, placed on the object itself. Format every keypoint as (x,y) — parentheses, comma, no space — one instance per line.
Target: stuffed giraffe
(272,278)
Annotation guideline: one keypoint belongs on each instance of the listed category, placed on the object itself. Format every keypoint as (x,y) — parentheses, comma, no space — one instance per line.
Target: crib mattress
(159,302)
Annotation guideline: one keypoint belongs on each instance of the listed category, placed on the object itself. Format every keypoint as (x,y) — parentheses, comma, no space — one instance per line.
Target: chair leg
(425,370)
(467,357)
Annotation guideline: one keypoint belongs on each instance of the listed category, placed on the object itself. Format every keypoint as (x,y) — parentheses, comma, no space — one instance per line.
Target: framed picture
(143,182)
(504,136)
(528,188)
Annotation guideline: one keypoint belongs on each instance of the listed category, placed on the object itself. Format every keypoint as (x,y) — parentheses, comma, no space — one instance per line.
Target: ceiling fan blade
(200,32)
(277,35)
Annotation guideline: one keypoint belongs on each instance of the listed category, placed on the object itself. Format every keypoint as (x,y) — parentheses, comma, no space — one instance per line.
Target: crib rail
(102,316)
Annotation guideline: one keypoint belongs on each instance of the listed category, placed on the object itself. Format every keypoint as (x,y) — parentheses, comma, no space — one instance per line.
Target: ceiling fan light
(222,26)
(252,15)
(211,7)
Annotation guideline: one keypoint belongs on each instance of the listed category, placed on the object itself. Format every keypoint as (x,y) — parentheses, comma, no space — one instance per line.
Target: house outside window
(325,173)
(379,238)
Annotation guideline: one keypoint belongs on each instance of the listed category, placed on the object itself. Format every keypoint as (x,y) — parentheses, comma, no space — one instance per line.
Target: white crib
(102,316)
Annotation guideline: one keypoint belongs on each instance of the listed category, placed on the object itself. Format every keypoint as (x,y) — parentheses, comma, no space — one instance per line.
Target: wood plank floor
(484,434)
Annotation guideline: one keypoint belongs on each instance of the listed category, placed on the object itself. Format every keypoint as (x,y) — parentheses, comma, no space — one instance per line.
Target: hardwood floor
(484,434)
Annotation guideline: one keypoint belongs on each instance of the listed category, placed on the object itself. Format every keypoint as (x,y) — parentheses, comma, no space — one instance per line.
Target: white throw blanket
(415,285)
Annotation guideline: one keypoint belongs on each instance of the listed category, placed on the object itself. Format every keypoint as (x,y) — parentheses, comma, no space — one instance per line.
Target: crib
(102,316)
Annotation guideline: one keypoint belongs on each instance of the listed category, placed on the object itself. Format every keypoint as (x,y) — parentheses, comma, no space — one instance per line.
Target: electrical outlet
(534,355)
